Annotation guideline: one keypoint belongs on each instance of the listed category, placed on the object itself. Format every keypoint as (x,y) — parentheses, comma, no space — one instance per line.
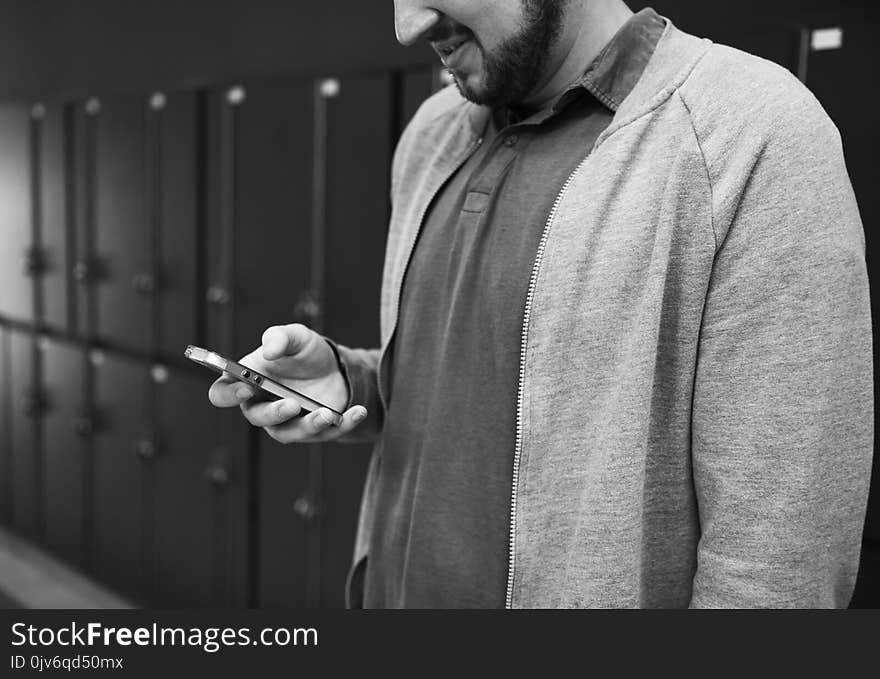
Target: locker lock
(145,449)
(305,508)
(33,262)
(81,272)
(218,475)
(83,426)
(144,283)
(217,294)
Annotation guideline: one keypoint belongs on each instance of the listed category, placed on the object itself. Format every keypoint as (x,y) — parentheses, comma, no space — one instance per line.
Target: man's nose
(412,19)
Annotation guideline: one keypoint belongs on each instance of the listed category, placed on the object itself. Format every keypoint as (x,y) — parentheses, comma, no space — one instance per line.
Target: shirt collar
(613,73)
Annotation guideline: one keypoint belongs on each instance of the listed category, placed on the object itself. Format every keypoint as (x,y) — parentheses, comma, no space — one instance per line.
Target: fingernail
(359,415)
(243,392)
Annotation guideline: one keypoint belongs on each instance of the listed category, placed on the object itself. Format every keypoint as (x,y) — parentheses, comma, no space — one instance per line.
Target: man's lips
(453,53)
(447,47)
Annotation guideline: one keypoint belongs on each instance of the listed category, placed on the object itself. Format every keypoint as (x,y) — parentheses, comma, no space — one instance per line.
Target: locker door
(122,239)
(267,159)
(56,252)
(358,149)
(201,484)
(177,208)
(123,446)
(25,406)
(66,430)
(286,524)
(259,212)
(16,208)
(5,431)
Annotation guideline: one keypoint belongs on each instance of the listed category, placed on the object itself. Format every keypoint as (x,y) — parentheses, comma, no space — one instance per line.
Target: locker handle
(144,283)
(82,272)
(306,508)
(218,475)
(145,449)
(218,294)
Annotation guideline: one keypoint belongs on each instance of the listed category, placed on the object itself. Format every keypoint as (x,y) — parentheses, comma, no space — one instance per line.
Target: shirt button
(511,140)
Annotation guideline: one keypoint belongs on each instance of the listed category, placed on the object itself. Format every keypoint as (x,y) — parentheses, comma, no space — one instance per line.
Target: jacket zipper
(522,371)
(473,147)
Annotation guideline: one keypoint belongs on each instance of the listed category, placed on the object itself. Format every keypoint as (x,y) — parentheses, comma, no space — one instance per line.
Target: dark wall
(52,48)
(79,48)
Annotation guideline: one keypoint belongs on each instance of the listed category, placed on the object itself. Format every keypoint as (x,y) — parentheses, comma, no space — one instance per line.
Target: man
(626,340)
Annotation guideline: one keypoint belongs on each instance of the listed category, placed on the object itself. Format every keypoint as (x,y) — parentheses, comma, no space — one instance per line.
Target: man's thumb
(284,340)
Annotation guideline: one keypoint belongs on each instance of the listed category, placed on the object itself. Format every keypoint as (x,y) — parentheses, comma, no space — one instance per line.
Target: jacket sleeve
(359,367)
(782,414)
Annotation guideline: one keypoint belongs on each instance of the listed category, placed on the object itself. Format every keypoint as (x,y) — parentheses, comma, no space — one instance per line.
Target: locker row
(124,470)
(151,222)
(134,226)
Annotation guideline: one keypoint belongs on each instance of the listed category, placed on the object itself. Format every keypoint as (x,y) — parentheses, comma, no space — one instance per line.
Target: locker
(5,431)
(16,214)
(55,242)
(356,223)
(67,426)
(260,254)
(175,118)
(259,210)
(145,192)
(122,239)
(200,540)
(124,445)
(26,403)
(287,524)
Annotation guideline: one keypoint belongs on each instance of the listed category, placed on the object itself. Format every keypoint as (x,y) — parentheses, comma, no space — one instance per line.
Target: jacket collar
(675,56)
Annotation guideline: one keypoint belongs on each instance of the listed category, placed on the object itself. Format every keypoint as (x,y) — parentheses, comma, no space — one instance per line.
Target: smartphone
(265,387)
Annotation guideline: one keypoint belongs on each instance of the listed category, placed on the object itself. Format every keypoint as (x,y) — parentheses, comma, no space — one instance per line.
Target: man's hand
(301,359)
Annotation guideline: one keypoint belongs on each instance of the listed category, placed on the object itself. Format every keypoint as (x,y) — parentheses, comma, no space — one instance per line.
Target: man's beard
(513,69)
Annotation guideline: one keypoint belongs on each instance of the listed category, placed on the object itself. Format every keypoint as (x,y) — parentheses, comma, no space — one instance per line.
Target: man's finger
(272,413)
(226,392)
(314,427)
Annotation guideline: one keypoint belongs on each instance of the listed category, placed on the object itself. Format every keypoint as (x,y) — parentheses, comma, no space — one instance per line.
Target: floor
(32,578)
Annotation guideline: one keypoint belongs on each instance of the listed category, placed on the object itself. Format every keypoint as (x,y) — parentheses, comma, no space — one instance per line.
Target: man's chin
(474,92)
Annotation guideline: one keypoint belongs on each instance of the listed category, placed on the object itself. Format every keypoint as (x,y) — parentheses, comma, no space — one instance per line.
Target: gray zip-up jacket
(695,407)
